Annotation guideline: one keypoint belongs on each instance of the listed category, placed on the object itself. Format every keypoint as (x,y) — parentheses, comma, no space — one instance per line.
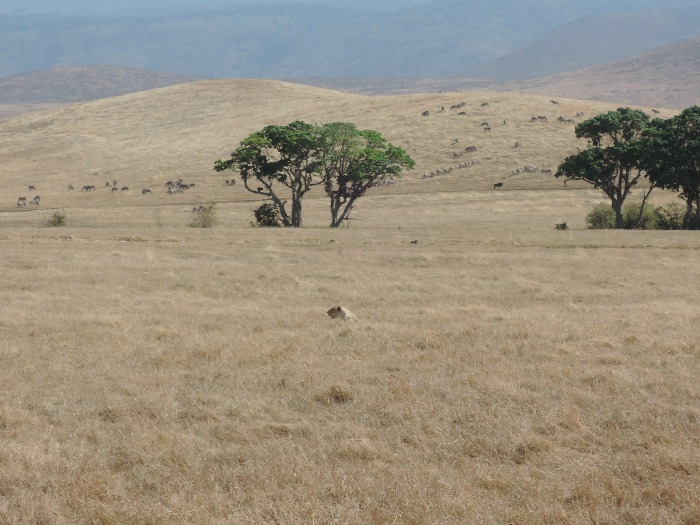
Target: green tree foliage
(283,163)
(614,160)
(279,159)
(674,152)
(354,161)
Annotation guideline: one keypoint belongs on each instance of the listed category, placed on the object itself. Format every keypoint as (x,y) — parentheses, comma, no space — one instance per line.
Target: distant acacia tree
(279,159)
(616,157)
(674,152)
(283,163)
(354,161)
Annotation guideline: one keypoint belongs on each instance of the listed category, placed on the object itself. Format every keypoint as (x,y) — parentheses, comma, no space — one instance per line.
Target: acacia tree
(674,149)
(276,162)
(354,161)
(615,159)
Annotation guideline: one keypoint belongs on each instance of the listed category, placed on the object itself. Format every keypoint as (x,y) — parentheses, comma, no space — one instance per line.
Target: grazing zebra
(22,201)
(89,187)
(125,188)
(115,189)
(36,200)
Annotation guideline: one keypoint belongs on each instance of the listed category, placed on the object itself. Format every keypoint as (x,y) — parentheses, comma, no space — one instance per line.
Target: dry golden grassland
(500,372)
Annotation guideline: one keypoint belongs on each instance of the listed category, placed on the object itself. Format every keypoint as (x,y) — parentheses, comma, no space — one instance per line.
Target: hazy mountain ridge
(444,38)
(668,76)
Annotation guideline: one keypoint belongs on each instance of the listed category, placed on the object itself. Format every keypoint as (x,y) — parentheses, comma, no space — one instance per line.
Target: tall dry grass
(501,371)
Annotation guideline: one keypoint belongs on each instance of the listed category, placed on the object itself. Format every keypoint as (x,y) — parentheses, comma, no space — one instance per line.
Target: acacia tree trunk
(617,208)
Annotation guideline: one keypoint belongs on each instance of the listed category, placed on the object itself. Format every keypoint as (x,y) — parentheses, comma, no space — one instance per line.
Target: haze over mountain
(291,39)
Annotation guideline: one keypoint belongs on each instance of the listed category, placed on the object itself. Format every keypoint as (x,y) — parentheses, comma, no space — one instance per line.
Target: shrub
(266,215)
(58,218)
(204,216)
(631,219)
(601,217)
(669,217)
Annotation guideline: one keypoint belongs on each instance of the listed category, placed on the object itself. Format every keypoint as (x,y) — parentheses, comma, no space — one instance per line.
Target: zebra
(144,191)
(22,201)
(125,188)
(36,200)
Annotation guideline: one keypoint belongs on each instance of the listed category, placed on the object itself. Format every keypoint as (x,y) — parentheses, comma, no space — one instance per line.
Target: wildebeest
(31,188)
(115,189)
(425,114)
(22,201)
(498,185)
(484,104)
(144,191)
(340,312)
(470,149)
(88,187)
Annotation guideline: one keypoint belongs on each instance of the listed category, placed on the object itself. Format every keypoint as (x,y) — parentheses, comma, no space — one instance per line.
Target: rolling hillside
(669,76)
(144,139)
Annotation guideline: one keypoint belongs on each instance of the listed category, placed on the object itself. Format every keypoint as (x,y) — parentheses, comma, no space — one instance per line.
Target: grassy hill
(144,139)
(501,371)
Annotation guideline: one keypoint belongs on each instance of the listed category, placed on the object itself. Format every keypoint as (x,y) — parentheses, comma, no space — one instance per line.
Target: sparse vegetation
(168,375)
(57,218)
(266,215)
(204,216)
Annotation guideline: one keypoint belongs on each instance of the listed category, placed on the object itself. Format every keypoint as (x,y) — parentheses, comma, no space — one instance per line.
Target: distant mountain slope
(81,83)
(441,38)
(593,41)
(668,77)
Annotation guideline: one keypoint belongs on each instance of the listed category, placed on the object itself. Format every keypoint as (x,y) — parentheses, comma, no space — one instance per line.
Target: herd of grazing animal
(172,187)
(482,111)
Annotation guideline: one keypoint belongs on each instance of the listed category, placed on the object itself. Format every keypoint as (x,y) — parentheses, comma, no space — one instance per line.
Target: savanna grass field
(500,372)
